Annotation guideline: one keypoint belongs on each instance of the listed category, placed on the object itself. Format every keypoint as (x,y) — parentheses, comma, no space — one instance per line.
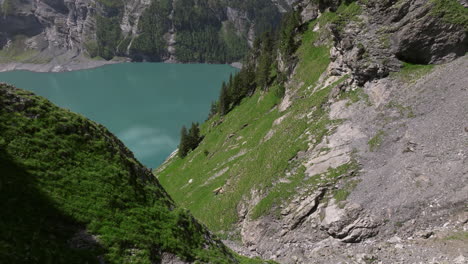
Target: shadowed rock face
(53,27)
(58,5)
(423,38)
(20,24)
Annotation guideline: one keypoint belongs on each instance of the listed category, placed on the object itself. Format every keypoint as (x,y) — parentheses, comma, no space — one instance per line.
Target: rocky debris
(216,175)
(219,190)
(406,191)
(301,208)
(169,258)
(349,224)
(309,10)
(460,260)
(425,234)
(84,240)
(338,144)
(268,136)
(410,147)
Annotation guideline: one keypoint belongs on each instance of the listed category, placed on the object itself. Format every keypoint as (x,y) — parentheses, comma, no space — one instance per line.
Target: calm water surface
(144,104)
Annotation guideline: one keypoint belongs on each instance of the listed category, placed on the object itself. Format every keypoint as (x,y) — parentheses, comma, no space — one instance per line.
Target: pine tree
(265,61)
(224,100)
(183,146)
(213,109)
(194,136)
(287,32)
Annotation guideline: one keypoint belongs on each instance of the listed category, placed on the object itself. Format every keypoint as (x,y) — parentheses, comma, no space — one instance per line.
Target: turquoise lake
(144,104)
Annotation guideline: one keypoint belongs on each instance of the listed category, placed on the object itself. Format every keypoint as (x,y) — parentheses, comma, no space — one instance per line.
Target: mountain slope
(71,192)
(363,156)
(64,32)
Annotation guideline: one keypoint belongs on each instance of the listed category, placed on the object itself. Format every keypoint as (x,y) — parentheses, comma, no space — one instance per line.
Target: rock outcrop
(66,33)
(401,184)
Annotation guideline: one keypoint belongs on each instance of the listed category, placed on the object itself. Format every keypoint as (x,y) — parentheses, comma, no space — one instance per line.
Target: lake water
(144,104)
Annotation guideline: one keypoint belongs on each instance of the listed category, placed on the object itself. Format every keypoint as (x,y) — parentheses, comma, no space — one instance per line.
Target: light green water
(144,104)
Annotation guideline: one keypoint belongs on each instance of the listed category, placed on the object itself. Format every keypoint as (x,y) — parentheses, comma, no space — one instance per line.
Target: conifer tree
(265,61)
(183,146)
(213,110)
(224,100)
(194,136)
(287,32)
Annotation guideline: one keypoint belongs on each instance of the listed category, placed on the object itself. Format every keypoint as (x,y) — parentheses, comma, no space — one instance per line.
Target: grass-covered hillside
(71,192)
(249,153)
(253,148)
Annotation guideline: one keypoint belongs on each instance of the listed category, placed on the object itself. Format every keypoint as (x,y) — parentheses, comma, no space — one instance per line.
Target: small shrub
(375,142)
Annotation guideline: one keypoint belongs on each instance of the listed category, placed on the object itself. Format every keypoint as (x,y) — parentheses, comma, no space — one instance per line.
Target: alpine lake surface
(144,104)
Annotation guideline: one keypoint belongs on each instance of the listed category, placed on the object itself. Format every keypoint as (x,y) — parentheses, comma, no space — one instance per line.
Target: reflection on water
(144,104)
(148,142)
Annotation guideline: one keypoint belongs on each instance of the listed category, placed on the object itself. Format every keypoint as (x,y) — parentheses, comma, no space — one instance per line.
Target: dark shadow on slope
(32,229)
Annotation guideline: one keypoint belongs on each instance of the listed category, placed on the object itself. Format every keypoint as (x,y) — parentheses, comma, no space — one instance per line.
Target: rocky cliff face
(407,192)
(41,32)
(381,174)
(66,32)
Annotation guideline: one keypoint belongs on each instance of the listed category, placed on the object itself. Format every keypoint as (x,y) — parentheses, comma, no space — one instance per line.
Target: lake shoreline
(56,67)
(143,104)
(77,65)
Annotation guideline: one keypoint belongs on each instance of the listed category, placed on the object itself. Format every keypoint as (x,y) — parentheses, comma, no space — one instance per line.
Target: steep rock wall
(60,31)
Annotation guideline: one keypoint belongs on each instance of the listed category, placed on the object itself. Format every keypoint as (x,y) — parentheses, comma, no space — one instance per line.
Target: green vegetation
(265,61)
(405,111)
(154,23)
(244,151)
(108,32)
(412,72)
(92,48)
(355,96)
(7,8)
(202,35)
(287,33)
(375,142)
(261,70)
(451,11)
(460,235)
(346,13)
(63,175)
(343,193)
(189,140)
(19,52)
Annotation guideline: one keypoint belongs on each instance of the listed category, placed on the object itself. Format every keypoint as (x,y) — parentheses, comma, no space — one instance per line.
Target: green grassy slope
(247,153)
(63,175)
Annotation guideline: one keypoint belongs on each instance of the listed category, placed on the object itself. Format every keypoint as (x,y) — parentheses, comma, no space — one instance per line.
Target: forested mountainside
(71,192)
(342,140)
(218,31)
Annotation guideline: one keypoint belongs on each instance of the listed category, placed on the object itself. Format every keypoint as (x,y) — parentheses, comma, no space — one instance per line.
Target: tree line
(260,71)
(203,33)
